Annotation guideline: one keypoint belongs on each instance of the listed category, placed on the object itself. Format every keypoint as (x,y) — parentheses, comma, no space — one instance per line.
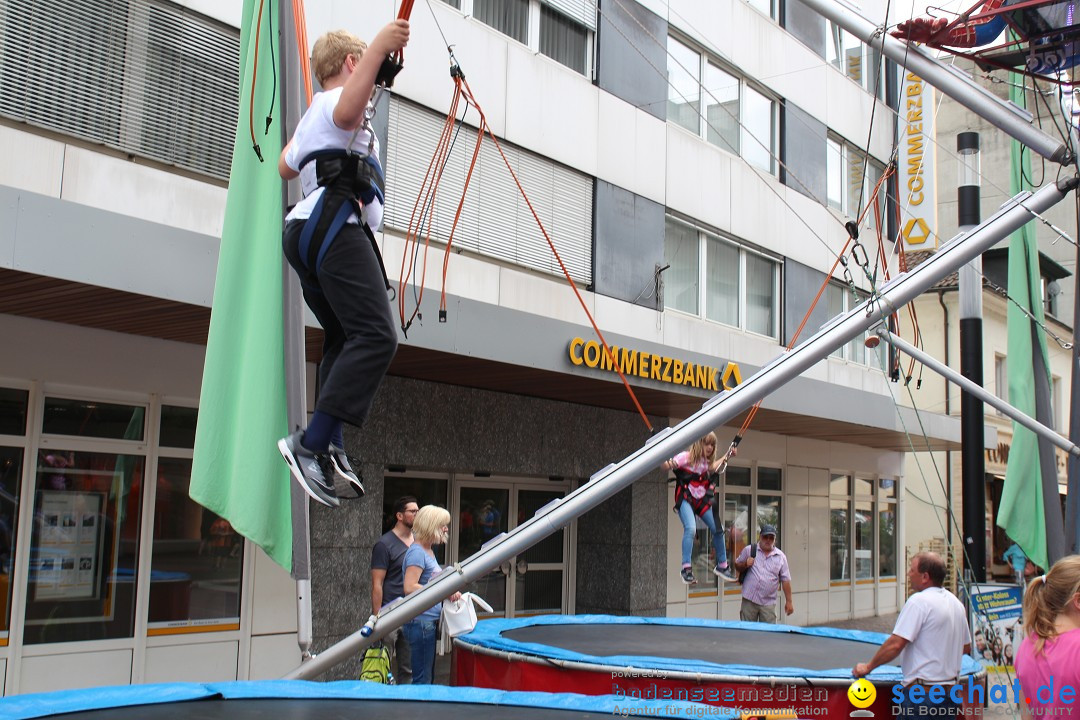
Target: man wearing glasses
(388,581)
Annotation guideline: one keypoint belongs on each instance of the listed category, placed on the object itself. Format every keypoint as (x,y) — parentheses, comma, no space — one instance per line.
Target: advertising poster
(69,550)
(996,616)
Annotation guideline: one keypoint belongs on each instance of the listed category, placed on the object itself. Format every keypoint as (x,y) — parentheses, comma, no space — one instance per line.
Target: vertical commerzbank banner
(916,170)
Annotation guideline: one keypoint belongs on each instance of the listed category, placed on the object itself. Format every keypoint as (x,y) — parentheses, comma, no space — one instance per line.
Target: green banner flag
(237,471)
(1023,509)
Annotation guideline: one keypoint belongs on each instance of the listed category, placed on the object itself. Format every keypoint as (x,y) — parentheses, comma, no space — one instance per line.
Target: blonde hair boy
(330,52)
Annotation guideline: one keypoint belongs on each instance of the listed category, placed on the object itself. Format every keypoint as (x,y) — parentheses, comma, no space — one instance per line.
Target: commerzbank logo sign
(915,165)
(653,366)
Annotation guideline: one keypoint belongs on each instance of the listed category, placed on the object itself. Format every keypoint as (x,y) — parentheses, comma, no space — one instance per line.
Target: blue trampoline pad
(300,700)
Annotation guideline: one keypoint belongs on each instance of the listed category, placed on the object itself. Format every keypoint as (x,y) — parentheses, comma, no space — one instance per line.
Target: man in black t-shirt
(388,581)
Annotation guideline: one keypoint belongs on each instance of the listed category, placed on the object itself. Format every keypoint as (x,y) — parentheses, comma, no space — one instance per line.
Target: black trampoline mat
(723,646)
(326,709)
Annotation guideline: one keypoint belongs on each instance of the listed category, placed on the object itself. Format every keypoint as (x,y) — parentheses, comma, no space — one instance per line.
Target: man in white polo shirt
(766,573)
(932,633)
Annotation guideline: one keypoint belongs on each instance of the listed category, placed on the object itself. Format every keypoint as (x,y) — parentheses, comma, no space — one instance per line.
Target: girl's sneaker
(725,574)
(688,576)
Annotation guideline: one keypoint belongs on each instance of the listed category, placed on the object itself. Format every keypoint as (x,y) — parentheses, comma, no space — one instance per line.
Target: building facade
(694,164)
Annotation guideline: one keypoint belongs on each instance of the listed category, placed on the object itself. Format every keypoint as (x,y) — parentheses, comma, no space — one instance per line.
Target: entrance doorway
(535,582)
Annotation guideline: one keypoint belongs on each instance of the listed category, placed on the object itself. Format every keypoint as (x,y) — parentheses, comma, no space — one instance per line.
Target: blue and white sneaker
(343,469)
(313,471)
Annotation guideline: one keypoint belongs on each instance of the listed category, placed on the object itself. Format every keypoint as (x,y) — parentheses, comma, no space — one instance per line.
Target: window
(1056,403)
(682,278)
(768,513)
(850,183)
(510,17)
(1051,291)
(736,522)
(886,528)
(560,29)
(684,86)
(770,478)
(751,499)
(84,547)
(759,129)
(564,40)
(859,62)
(862,526)
(495,221)
(1001,379)
(839,299)
(84,550)
(839,569)
(197,557)
(738,117)
(13,411)
(721,108)
(716,277)
(722,296)
(93,419)
(146,77)
(765,7)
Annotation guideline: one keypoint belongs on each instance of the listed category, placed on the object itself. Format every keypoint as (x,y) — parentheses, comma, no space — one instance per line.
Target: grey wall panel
(805,141)
(76,242)
(801,284)
(9,214)
(621,68)
(380,123)
(805,24)
(628,244)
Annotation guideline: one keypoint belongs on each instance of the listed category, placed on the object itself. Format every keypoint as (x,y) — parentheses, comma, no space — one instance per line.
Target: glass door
(532,583)
(483,512)
(539,573)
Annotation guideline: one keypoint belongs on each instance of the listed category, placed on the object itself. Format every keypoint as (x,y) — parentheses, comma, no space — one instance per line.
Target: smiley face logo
(862,693)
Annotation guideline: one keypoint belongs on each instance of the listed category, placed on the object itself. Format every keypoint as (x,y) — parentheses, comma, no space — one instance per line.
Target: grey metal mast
(955,83)
(292,106)
(716,411)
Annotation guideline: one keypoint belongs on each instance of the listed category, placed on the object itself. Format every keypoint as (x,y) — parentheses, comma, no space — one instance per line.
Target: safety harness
(695,488)
(347,179)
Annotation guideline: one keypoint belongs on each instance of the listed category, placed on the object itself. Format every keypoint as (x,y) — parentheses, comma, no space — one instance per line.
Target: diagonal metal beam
(979,391)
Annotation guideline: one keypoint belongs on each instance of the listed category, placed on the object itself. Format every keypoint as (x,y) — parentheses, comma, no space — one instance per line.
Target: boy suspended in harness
(329,242)
(696,472)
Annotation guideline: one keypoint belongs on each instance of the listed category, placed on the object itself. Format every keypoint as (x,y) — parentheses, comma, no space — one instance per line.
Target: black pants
(349,299)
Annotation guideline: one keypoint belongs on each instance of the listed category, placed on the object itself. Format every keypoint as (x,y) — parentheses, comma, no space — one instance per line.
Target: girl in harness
(696,472)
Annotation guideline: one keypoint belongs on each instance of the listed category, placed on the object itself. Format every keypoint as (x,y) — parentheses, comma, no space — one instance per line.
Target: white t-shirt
(317,131)
(935,625)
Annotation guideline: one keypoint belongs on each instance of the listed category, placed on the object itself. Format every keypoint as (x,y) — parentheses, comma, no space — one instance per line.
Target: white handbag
(459,616)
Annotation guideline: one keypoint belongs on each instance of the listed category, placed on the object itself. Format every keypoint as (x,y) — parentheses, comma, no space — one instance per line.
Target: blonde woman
(694,472)
(431,526)
(1049,658)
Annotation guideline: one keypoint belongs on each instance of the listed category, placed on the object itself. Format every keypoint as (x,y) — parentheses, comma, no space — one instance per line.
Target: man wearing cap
(765,574)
